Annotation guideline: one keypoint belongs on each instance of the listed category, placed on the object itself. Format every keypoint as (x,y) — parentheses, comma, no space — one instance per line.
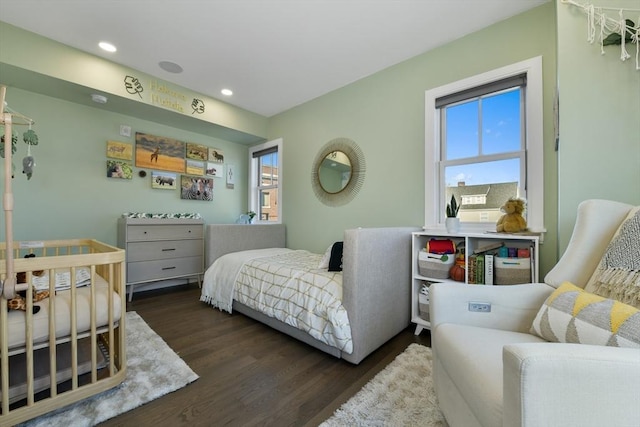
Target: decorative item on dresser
(161,247)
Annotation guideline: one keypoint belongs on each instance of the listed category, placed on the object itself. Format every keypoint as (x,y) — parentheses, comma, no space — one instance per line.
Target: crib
(67,343)
(74,346)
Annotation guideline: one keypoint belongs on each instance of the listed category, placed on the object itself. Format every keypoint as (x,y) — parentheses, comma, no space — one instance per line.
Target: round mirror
(335,172)
(338,172)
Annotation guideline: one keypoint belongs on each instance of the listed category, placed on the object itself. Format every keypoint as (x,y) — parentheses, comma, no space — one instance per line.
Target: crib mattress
(62,316)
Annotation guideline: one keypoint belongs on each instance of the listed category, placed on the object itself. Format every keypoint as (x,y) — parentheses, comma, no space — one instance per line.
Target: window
(483,144)
(265,172)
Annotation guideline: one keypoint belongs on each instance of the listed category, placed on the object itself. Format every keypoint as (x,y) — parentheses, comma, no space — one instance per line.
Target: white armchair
(490,371)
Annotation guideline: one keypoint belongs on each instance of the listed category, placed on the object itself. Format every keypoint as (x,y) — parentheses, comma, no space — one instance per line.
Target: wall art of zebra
(196,188)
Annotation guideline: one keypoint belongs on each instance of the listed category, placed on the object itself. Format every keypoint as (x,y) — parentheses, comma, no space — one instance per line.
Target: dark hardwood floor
(250,374)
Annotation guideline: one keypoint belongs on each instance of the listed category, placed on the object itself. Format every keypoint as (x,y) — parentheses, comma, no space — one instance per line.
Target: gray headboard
(222,239)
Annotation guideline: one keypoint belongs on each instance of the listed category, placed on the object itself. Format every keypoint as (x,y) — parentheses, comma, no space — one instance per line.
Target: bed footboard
(376,286)
(77,335)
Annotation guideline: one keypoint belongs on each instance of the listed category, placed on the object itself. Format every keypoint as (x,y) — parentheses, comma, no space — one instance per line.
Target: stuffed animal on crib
(20,301)
(512,221)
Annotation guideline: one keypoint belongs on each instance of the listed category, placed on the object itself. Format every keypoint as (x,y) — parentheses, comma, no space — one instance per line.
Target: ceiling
(273,54)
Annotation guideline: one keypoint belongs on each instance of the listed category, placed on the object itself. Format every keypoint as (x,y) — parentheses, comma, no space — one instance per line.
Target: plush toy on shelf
(512,221)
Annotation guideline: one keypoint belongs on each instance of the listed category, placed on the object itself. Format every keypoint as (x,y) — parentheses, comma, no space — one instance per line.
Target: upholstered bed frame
(376,279)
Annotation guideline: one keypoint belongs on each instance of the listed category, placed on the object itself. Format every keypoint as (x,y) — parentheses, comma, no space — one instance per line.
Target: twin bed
(347,314)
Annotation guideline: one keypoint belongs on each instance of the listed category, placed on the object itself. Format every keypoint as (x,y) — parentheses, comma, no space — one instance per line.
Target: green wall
(70,196)
(384,115)
(599,151)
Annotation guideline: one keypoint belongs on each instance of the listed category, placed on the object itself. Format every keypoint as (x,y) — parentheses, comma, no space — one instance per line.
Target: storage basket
(512,271)
(435,266)
(423,307)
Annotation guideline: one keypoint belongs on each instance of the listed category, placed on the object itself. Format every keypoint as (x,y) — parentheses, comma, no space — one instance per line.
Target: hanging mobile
(30,138)
(14,148)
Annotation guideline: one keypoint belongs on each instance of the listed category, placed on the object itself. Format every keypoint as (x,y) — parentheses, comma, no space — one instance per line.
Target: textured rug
(400,395)
(153,370)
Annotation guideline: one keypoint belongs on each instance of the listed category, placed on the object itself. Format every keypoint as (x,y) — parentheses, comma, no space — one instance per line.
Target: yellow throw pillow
(572,315)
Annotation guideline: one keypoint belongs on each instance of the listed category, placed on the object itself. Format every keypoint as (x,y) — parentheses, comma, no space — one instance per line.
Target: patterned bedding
(284,284)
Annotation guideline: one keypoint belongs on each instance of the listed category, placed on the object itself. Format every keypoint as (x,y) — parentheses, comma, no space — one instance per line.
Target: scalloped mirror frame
(358,169)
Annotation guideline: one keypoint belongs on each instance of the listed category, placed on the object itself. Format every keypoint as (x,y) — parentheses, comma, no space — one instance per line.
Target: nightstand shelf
(471,242)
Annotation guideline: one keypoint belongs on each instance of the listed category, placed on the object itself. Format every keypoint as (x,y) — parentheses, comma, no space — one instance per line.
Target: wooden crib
(74,346)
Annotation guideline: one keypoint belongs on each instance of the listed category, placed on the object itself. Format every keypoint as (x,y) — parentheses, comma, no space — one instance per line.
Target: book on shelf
(480,269)
(471,269)
(488,247)
(488,269)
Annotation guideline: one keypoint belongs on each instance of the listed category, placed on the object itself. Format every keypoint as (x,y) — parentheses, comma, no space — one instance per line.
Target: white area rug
(153,370)
(400,395)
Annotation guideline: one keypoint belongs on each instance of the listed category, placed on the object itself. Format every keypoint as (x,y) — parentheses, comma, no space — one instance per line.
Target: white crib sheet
(16,319)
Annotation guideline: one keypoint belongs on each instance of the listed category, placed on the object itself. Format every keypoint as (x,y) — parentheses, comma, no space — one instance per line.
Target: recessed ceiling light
(100,99)
(107,46)
(170,67)
(226,92)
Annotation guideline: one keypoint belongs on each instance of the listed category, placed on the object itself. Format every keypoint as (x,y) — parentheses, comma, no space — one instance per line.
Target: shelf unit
(472,241)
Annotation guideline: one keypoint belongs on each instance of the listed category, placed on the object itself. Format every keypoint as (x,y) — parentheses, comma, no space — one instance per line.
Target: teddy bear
(512,221)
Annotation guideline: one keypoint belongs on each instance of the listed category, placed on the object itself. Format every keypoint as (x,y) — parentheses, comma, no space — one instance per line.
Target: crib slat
(29,341)
(94,339)
(53,348)
(4,354)
(74,330)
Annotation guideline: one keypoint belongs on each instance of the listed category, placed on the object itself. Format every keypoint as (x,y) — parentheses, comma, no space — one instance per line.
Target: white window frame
(254,193)
(534,144)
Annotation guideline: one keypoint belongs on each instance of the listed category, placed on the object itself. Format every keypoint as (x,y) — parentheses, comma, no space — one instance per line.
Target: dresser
(161,248)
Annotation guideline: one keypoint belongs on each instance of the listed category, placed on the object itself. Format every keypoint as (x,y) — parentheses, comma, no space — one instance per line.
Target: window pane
(483,173)
(268,208)
(501,122)
(482,188)
(462,130)
(268,167)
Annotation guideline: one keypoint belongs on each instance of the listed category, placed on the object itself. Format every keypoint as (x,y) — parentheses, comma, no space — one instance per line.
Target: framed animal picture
(216,155)
(195,167)
(158,152)
(214,169)
(119,150)
(119,169)
(164,180)
(196,188)
(197,151)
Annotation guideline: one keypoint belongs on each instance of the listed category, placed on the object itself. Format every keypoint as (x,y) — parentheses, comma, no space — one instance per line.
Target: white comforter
(284,284)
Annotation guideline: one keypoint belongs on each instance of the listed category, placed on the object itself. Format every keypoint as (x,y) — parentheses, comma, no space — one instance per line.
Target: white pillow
(324,262)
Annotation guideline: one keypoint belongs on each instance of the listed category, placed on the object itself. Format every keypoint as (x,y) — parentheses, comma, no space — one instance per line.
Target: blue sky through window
(483,126)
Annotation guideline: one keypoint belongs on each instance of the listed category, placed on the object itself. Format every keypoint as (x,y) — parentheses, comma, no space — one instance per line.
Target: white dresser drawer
(145,271)
(142,233)
(163,249)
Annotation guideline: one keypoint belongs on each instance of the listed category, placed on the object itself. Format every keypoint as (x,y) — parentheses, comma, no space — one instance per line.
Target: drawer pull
(168,268)
(168,249)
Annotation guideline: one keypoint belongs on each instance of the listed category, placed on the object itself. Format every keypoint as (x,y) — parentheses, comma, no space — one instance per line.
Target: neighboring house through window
(483,145)
(265,181)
